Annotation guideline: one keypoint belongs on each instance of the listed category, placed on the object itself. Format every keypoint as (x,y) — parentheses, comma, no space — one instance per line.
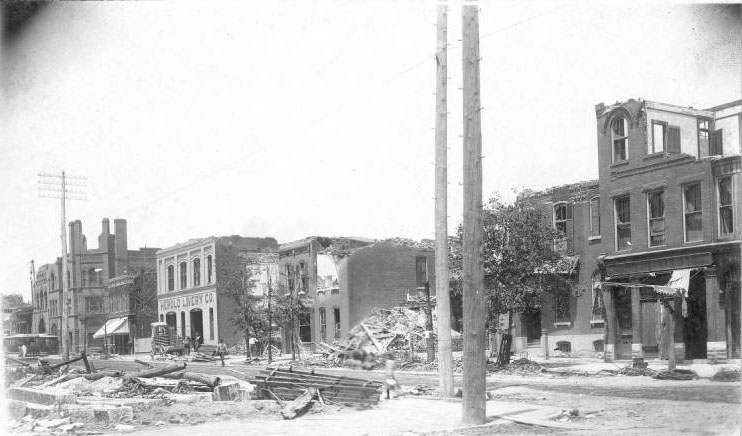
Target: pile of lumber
(289,384)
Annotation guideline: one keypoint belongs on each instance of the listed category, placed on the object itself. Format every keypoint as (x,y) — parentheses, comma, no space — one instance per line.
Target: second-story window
(717,146)
(656,217)
(196,272)
(209,269)
(657,144)
(693,216)
(619,138)
(623,223)
(595,217)
(726,211)
(170,278)
(703,137)
(183,275)
(560,218)
(421,272)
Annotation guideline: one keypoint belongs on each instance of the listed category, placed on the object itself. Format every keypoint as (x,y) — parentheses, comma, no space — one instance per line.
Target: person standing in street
(197,342)
(24,350)
(221,350)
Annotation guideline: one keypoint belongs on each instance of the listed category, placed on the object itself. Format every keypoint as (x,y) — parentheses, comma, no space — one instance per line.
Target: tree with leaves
(239,283)
(519,258)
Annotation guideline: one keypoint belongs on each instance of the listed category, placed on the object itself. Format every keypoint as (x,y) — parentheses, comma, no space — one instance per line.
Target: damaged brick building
(346,278)
(92,274)
(657,236)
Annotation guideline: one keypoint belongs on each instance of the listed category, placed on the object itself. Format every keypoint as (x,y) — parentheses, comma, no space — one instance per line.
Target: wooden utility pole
(475,302)
(56,186)
(442,292)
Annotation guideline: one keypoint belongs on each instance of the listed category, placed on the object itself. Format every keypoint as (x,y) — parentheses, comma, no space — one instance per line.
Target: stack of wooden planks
(288,384)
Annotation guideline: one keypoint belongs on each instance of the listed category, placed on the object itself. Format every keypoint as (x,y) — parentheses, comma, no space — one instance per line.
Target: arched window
(183,275)
(619,139)
(196,272)
(560,218)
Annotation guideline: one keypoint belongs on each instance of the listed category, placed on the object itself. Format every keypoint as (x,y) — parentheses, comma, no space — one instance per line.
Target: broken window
(170,278)
(560,218)
(703,137)
(595,217)
(623,223)
(305,328)
(183,275)
(619,137)
(421,272)
(656,217)
(726,211)
(693,214)
(562,305)
(336,316)
(289,278)
(327,273)
(323,324)
(657,144)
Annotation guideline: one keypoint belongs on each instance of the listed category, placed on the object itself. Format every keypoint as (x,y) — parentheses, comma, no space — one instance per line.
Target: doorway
(197,323)
(695,328)
(624,338)
(532,325)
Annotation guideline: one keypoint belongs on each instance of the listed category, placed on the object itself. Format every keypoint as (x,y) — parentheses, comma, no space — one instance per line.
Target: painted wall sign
(187,301)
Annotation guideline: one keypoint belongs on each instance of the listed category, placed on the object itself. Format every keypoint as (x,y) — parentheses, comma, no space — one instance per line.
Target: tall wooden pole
(474,360)
(443,301)
(65,284)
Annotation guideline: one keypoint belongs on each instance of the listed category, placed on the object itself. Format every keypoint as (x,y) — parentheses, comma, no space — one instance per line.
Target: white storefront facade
(186,289)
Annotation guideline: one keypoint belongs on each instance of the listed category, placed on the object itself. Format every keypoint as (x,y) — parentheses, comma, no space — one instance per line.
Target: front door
(532,324)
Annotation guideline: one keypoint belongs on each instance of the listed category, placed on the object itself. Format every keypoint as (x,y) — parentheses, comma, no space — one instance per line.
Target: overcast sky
(299,118)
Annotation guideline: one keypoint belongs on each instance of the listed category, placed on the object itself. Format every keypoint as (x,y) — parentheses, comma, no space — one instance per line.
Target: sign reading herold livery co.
(187,301)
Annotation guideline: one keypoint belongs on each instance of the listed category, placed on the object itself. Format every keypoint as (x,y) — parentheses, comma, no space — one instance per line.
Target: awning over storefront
(115,326)
(677,285)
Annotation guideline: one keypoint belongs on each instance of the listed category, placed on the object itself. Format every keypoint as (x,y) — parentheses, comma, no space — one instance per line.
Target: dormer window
(619,138)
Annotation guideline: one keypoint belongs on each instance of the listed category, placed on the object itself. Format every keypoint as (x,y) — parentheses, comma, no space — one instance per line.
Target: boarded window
(673,139)
(595,216)
(726,211)
(693,214)
(623,223)
(656,217)
(717,147)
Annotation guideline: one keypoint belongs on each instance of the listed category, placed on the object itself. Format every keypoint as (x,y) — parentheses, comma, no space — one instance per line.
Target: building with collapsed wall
(346,278)
(657,238)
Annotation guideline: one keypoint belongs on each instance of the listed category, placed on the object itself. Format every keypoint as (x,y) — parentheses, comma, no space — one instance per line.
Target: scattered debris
(519,366)
(727,375)
(288,385)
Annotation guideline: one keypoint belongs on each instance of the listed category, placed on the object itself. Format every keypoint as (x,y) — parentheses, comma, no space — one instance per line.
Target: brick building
(17,315)
(89,272)
(664,213)
(191,276)
(346,278)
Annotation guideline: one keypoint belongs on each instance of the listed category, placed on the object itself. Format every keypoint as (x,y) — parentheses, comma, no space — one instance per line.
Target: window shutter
(673,139)
(570,230)
(716,144)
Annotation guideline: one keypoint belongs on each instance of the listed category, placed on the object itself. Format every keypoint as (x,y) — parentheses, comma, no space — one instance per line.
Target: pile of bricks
(289,384)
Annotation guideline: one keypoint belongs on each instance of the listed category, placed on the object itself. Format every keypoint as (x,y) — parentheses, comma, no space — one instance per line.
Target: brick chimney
(121,250)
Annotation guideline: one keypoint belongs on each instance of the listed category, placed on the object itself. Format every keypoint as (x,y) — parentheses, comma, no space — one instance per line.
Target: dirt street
(518,405)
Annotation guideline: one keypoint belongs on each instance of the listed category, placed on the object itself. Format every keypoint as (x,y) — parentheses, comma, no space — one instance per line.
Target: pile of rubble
(65,397)
(523,367)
